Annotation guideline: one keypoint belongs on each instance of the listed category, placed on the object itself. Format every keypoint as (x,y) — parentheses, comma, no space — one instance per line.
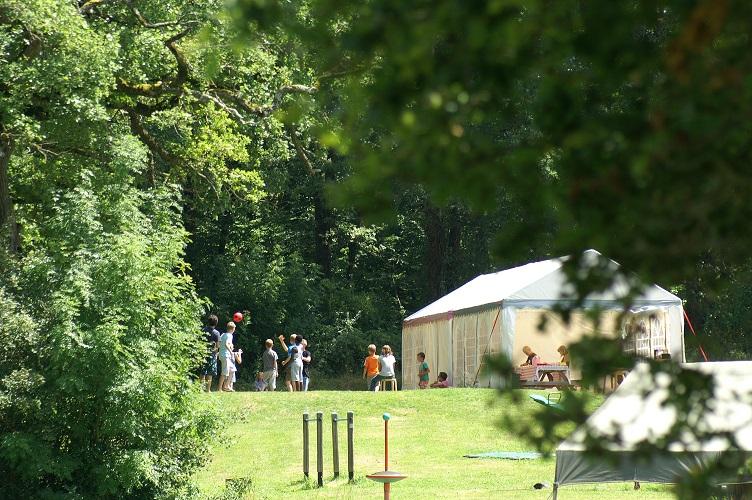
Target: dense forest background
(329,168)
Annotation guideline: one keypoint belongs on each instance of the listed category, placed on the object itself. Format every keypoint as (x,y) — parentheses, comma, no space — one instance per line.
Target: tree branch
(149,25)
(301,151)
(88,6)
(183,67)
(138,129)
(264,110)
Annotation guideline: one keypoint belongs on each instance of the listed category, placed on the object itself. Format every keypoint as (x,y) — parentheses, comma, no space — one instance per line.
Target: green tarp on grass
(507,455)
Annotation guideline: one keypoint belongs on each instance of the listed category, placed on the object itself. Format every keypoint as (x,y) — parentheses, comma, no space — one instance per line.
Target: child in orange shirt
(371,364)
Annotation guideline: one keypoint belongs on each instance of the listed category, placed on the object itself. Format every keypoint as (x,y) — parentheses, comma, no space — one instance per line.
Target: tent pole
(556,491)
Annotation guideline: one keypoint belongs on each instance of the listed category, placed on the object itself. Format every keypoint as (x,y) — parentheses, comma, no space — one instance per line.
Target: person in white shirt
(227,358)
(386,367)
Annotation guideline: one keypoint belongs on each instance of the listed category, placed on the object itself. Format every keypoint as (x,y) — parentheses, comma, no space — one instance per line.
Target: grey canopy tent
(636,412)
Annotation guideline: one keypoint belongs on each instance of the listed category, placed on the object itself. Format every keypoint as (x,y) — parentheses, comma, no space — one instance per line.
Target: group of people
(222,358)
(296,365)
(378,368)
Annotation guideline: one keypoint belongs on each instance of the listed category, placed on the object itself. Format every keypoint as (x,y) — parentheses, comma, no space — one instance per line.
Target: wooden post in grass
(335,446)
(320,447)
(350,458)
(305,445)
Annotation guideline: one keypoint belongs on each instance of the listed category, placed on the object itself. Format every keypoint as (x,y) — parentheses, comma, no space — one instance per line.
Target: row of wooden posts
(335,446)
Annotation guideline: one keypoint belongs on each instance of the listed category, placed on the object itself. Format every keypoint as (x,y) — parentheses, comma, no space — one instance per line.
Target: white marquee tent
(501,313)
(636,412)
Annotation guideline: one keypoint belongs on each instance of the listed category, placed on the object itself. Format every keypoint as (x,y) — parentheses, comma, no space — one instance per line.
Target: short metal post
(350,458)
(335,446)
(387,486)
(320,447)
(305,445)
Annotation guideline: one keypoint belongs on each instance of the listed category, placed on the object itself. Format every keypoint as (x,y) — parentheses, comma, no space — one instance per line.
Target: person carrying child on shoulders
(423,371)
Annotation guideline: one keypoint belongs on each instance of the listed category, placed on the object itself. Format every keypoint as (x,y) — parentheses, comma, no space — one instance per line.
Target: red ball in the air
(237,317)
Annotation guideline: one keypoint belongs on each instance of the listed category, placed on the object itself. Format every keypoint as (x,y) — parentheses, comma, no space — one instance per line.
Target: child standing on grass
(270,359)
(423,371)
(237,359)
(370,365)
(296,369)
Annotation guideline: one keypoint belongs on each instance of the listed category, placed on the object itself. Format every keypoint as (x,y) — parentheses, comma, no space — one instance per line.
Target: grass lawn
(430,431)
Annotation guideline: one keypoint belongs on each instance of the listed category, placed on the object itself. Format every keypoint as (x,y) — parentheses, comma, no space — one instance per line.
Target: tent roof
(539,284)
(632,417)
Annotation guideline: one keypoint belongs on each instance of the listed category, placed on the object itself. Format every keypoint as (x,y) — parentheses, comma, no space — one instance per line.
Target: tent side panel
(464,352)
(409,336)
(675,333)
(573,467)
(429,338)
(489,342)
(508,325)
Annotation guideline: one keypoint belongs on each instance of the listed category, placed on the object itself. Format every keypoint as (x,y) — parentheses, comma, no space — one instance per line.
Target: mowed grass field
(430,431)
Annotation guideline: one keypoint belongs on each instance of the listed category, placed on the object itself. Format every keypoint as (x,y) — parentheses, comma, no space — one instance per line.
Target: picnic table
(537,375)
(561,370)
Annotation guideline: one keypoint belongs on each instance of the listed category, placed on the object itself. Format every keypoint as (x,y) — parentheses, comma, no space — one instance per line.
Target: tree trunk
(7,214)
(322,226)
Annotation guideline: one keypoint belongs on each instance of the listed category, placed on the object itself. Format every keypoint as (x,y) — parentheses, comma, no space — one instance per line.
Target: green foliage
(97,402)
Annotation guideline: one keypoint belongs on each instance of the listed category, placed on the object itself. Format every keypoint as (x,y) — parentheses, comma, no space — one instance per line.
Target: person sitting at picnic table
(532,358)
(564,354)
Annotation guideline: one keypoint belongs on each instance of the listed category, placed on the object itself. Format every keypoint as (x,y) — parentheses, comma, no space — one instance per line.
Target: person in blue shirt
(286,363)
(211,337)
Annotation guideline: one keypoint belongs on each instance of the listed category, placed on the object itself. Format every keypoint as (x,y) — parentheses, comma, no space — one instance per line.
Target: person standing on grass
(237,359)
(296,369)
(423,371)
(286,363)
(269,359)
(226,357)
(386,364)
(306,357)
(211,337)
(370,366)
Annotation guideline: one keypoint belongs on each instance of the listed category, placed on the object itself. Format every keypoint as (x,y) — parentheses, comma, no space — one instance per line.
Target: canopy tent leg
(556,491)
